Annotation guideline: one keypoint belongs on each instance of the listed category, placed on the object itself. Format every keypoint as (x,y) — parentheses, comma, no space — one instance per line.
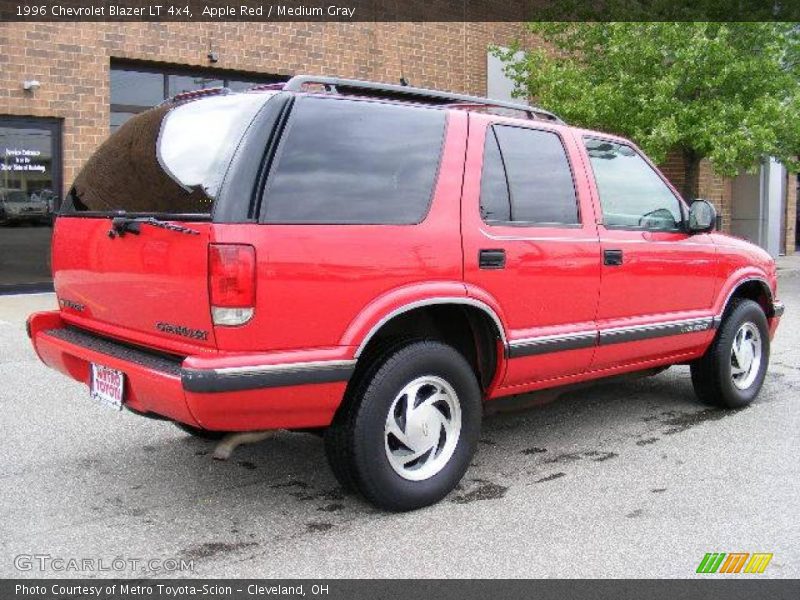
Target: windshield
(170,159)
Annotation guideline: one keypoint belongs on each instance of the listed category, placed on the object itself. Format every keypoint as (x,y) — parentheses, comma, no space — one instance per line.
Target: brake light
(232,283)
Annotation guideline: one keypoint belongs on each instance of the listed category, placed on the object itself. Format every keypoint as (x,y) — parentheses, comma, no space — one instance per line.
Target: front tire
(409,427)
(731,372)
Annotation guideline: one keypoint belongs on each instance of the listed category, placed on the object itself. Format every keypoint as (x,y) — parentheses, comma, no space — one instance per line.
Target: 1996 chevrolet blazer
(379,261)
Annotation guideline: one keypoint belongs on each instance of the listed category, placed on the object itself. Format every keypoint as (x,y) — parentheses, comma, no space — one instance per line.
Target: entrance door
(30,193)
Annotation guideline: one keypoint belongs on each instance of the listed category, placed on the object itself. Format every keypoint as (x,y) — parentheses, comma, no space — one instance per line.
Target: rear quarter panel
(315,280)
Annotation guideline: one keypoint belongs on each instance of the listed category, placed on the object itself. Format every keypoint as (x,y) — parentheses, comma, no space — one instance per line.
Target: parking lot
(625,479)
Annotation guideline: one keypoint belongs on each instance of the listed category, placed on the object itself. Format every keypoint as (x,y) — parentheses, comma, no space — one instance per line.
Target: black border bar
(705,587)
(342,11)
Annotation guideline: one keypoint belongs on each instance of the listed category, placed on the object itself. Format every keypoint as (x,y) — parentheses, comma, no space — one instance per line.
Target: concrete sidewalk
(789,263)
(15,308)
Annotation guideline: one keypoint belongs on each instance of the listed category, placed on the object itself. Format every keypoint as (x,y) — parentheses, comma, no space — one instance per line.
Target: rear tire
(204,434)
(409,427)
(731,372)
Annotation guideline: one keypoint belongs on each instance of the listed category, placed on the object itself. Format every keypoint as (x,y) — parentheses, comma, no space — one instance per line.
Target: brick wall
(709,186)
(72,61)
(791,213)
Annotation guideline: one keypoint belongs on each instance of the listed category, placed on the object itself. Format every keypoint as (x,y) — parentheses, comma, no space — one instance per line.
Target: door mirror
(702,216)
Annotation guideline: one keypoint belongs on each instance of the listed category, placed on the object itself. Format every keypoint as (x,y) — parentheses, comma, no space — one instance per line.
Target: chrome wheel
(422,428)
(746,355)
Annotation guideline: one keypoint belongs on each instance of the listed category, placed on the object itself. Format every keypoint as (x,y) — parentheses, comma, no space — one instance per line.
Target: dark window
(135,87)
(495,201)
(177,84)
(538,180)
(632,194)
(167,160)
(30,192)
(346,161)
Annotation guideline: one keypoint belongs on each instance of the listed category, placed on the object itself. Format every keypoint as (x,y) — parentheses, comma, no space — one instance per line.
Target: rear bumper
(217,392)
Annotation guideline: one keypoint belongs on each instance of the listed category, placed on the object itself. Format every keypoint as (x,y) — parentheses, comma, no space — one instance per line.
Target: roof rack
(388,90)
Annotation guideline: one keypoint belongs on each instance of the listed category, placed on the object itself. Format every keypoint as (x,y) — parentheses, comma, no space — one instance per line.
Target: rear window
(355,162)
(168,160)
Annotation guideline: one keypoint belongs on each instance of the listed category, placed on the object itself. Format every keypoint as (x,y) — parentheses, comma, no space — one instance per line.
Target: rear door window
(526,179)
(355,162)
(168,160)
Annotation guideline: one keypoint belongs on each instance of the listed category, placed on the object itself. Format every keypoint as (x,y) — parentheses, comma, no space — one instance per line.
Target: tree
(729,92)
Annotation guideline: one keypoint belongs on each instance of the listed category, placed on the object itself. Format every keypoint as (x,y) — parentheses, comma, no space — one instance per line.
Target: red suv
(378,262)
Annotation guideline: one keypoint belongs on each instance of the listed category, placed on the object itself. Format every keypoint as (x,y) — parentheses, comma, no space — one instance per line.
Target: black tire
(355,442)
(712,373)
(204,434)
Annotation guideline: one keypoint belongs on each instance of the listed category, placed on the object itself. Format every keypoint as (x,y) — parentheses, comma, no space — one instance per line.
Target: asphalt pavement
(626,479)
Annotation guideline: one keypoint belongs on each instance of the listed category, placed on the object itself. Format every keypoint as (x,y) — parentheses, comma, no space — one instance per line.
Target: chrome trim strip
(286,367)
(740,284)
(634,333)
(232,379)
(522,238)
(432,302)
(552,343)
(612,241)
(603,337)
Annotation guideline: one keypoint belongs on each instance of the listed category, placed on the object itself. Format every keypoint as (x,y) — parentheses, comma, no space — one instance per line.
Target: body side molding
(266,376)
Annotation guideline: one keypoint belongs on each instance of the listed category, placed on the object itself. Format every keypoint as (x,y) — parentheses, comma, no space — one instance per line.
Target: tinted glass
(29,194)
(539,177)
(631,192)
(190,83)
(136,88)
(495,201)
(118,118)
(346,161)
(170,159)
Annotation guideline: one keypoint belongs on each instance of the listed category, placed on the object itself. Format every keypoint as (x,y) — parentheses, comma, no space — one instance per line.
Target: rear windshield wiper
(121,224)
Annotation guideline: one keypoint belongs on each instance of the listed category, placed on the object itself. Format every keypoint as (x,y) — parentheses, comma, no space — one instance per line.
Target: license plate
(108,386)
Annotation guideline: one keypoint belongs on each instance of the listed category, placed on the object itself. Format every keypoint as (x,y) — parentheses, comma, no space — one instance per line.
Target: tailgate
(150,288)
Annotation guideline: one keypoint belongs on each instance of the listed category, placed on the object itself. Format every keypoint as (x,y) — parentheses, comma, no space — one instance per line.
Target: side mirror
(702,217)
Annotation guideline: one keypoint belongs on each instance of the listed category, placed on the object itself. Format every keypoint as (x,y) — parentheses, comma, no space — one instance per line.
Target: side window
(526,178)
(355,162)
(632,194)
(495,201)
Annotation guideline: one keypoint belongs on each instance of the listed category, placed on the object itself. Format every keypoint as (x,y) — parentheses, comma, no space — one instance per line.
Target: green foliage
(726,91)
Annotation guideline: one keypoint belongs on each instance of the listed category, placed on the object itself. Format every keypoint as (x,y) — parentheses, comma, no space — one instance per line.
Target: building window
(136,87)
(30,186)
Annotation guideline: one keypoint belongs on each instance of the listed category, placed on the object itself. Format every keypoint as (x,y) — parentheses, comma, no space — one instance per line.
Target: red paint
(320,290)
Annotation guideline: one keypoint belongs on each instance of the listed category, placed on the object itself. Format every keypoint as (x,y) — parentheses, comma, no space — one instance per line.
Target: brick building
(83,80)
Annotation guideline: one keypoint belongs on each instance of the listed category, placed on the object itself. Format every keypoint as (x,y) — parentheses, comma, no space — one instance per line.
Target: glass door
(30,195)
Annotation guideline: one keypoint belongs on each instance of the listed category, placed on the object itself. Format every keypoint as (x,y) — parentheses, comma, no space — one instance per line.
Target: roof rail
(388,90)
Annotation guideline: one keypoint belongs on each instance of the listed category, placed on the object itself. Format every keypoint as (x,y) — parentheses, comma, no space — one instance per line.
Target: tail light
(232,283)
